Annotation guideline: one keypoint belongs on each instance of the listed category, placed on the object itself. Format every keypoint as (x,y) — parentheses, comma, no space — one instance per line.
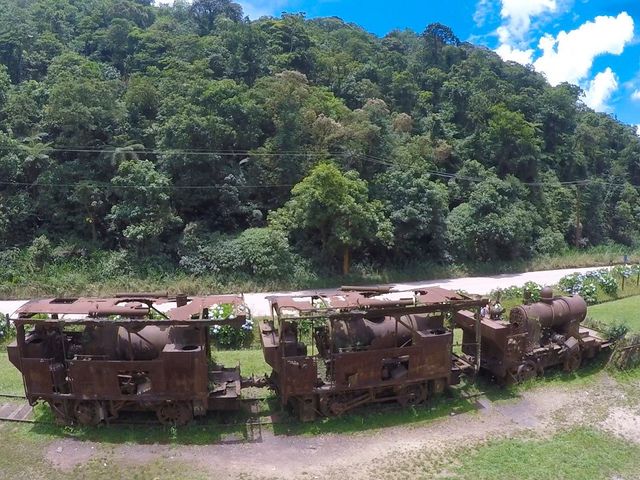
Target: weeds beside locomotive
(92,358)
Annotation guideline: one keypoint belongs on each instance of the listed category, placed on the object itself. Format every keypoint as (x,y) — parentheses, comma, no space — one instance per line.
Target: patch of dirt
(67,454)
(624,423)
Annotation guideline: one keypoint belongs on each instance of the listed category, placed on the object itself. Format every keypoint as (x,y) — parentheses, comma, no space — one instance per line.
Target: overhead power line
(249,154)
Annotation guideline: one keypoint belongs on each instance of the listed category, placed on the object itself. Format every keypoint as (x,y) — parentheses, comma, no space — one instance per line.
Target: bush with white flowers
(226,336)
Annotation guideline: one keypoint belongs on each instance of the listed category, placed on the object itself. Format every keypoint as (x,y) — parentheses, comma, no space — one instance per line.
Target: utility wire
(248,153)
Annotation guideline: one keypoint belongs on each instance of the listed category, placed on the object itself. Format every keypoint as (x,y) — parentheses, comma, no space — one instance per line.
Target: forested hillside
(189,135)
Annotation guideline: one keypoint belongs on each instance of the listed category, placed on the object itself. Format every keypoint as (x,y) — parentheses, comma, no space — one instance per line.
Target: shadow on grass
(372,417)
(231,427)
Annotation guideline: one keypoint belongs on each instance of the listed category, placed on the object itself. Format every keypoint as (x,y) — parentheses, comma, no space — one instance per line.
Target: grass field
(251,361)
(10,378)
(577,454)
(626,310)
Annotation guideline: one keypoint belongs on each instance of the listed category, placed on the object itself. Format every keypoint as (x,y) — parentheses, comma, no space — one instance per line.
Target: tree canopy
(129,125)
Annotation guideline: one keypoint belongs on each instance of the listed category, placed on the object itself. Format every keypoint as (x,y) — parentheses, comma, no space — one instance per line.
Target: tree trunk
(346,261)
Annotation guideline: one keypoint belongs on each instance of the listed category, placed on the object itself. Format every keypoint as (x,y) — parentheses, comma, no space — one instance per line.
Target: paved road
(481,285)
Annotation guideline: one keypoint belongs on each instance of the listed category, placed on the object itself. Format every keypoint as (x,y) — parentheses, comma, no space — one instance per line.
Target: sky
(591,43)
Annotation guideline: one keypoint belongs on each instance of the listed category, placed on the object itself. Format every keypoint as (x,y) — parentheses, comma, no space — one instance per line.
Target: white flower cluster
(216,311)
(215,329)
(320,303)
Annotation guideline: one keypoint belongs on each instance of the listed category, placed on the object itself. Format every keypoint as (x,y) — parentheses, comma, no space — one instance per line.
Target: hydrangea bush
(226,336)
(586,284)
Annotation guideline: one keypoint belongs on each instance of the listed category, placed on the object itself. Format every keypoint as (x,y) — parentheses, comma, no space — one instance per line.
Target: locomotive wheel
(412,395)
(87,412)
(573,361)
(175,413)
(333,405)
(526,371)
(59,408)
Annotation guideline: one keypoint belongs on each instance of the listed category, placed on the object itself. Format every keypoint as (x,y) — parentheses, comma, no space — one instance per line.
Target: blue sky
(592,43)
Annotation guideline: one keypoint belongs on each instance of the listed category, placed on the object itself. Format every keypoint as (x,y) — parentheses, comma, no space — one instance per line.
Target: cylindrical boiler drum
(145,344)
(551,313)
(361,332)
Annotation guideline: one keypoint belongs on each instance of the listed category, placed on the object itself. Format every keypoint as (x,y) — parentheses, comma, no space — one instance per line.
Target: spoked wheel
(526,371)
(87,412)
(175,413)
(60,410)
(412,395)
(333,405)
(573,361)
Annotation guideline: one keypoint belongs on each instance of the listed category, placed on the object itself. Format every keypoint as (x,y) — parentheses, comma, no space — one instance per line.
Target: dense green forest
(188,136)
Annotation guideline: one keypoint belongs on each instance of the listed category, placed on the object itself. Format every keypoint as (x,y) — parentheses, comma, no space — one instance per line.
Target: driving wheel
(175,413)
(87,412)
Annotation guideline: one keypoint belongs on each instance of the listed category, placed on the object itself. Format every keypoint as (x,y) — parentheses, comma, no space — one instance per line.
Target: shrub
(260,252)
(532,290)
(227,336)
(115,264)
(549,243)
(40,252)
(11,269)
(7,329)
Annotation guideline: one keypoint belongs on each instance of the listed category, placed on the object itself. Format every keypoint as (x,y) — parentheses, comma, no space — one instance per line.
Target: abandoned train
(90,359)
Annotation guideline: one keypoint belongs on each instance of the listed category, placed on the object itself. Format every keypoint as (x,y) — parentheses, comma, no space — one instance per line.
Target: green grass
(251,361)
(626,310)
(10,378)
(576,454)
(579,454)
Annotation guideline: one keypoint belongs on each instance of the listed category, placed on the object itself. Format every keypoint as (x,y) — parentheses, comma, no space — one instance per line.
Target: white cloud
(600,90)
(569,56)
(483,11)
(635,95)
(517,14)
(509,53)
(255,9)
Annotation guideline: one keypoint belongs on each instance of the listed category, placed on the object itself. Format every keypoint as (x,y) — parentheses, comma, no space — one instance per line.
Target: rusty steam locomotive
(90,359)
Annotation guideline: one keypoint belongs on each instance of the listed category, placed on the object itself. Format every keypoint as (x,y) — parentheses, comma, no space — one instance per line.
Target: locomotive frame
(535,337)
(65,351)
(408,368)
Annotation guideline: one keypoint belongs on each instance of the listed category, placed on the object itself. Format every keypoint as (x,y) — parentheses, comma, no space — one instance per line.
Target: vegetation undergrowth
(103,274)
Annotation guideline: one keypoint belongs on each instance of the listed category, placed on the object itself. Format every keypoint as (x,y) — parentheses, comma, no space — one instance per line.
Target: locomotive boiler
(534,337)
(331,353)
(90,359)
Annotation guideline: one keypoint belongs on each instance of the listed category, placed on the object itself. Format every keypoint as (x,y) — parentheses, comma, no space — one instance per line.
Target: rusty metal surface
(363,345)
(91,358)
(128,308)
(368,299)
(533,338)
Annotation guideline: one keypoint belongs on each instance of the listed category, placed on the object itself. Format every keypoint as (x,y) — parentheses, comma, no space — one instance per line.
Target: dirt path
(539,411)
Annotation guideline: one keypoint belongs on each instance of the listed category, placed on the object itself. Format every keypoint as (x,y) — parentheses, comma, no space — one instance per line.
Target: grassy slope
(626,310)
